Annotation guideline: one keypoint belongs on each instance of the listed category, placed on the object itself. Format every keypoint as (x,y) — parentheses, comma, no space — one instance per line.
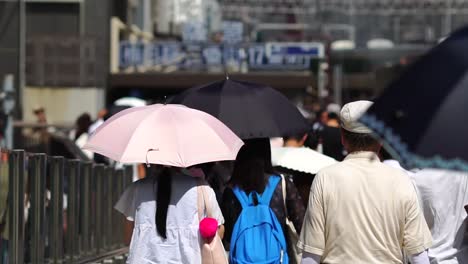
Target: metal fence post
(109,221)
(4,192)
(98,234)
(119,218)
(73,171)
(16,207)
(85,202)
(37,187)
(56,215)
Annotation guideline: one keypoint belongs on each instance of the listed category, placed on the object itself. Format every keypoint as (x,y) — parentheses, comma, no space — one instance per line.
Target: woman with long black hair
(251,173)
(165,214)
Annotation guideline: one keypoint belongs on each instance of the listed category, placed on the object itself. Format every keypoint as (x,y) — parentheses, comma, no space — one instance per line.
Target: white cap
(334,108)
(351,112)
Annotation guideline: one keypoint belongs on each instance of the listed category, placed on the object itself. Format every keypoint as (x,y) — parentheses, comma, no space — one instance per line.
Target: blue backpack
(258,236)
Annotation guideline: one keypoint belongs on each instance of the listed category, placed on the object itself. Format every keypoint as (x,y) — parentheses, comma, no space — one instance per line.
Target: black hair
(297,137)
(82,125)
(332,115)
(252,167)
(318,114)
(359,141)
(163,197)
(385,155)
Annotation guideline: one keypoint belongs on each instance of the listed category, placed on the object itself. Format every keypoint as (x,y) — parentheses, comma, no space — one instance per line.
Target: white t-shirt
(443,196)
(81,142)
(183,240)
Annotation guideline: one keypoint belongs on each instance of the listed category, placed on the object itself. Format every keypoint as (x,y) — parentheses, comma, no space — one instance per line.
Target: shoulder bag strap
(206,202)
(283,188)
(200,200)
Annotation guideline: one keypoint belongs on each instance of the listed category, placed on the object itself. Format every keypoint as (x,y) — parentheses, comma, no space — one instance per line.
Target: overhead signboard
(190,56)
(291,55)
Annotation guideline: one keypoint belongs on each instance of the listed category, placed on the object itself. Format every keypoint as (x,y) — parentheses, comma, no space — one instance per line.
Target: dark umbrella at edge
(420,115)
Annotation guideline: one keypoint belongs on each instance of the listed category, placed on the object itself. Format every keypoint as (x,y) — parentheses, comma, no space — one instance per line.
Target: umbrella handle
(146,158)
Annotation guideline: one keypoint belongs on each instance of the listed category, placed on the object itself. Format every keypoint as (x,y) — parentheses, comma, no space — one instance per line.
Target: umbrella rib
(133,133)
(173,121)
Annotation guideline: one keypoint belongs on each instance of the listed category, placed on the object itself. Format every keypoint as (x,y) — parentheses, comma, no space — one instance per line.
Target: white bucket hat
(351,112)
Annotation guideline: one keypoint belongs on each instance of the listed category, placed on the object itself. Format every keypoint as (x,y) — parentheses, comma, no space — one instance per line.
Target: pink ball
(208,227)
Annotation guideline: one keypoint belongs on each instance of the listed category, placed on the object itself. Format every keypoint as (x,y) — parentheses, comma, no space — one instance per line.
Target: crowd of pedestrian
(364,209)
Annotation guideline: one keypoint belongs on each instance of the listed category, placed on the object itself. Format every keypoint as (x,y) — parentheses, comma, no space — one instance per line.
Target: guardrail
(52,140)
(57,210)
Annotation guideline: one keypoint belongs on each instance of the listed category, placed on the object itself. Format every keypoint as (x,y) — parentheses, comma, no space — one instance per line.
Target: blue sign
(257,56)
(233,31)
(280,55)
(213,55)
(149,54)
(296,49)
(194,32)
(193,58)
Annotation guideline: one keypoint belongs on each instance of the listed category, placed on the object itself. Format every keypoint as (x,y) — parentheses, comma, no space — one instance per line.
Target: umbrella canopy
(172,135)
(421,115)
(250,110)
(300,159)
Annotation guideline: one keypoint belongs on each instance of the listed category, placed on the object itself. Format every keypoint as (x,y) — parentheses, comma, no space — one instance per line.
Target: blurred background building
(74,56)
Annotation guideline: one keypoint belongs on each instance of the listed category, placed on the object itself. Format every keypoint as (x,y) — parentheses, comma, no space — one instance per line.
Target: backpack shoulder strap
(267,194)
(241,196)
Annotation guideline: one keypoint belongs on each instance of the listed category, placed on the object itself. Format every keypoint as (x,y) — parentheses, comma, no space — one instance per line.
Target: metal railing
(52,140)
(59,211)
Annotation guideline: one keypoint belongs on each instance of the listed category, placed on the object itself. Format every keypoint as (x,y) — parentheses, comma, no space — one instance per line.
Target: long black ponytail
(163,197)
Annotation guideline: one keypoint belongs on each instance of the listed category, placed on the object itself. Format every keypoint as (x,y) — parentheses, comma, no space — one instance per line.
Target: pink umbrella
(172,135)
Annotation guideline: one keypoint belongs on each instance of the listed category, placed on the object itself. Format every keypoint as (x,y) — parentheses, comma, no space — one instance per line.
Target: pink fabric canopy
(171,134)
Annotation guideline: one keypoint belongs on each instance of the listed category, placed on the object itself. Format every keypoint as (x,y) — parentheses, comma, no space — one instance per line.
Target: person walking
(164,212)
(81,135)
(361,210)
(443,195)
(330,138)
(295,141)
(253,173)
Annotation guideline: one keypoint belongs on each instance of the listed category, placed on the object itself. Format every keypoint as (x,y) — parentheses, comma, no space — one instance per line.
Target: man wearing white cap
(361,210)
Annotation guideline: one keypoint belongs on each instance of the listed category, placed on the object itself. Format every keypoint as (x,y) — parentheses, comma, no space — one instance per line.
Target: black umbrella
(250,110)
(421,116)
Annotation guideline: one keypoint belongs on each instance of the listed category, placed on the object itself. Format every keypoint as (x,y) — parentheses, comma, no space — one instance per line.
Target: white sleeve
(127,202)
(421,258)
(309,258)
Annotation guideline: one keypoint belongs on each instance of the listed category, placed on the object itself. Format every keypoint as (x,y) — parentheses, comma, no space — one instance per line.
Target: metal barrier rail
(60,211)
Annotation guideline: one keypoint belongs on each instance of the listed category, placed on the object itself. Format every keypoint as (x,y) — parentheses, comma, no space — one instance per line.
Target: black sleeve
(294,204)
(231,209)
